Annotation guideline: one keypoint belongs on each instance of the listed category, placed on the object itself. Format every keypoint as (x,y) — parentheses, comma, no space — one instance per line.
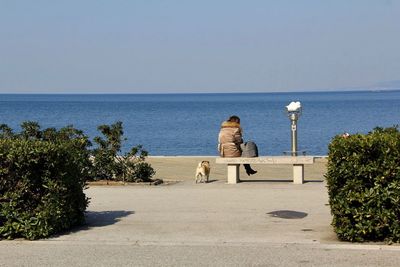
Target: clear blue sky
(116,46)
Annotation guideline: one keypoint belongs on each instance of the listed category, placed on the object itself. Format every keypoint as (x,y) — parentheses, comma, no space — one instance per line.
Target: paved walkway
(256,223)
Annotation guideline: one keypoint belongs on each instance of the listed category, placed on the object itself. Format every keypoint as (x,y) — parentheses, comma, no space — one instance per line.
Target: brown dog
(203,172)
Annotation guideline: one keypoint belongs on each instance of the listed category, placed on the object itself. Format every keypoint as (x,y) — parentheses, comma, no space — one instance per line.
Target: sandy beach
(182,168)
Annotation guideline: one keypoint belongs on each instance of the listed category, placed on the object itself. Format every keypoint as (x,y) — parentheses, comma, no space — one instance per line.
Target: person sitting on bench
(229,140)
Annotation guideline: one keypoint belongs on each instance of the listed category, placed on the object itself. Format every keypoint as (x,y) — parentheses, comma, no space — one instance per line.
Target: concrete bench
(298,165)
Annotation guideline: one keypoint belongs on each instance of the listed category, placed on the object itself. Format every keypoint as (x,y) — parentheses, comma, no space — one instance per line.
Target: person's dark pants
(248,168)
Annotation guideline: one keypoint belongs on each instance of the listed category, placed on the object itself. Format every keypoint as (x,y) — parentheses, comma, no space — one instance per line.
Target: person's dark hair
(234,118)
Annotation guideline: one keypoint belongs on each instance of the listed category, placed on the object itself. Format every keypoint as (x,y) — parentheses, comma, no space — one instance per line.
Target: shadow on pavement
(277,181)
(104,218)
(288,214)
(97,219)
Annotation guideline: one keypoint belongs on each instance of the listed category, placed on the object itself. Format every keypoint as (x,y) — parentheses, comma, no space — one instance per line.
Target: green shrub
(109,164)
(43,174)
(42,181)
(136,169)
(363,180)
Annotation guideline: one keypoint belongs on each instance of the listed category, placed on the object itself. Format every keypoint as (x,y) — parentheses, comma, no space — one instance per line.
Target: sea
(188,124)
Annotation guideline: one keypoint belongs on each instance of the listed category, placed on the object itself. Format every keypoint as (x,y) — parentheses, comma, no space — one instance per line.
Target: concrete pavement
(262,222)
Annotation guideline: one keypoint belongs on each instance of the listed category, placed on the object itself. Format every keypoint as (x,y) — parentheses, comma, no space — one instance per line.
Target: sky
(187,46)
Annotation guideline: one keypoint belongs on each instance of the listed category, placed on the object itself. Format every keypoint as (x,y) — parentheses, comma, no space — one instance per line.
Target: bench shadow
(277,181)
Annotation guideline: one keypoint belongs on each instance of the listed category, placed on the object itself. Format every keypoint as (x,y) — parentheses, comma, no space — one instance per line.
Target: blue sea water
(188,124)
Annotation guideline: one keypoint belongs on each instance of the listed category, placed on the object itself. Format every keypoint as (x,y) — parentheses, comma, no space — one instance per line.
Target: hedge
(363,178)
(41,186)
(43,174)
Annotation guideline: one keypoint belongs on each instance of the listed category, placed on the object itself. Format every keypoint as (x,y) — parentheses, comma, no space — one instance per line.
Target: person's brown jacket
(229,139)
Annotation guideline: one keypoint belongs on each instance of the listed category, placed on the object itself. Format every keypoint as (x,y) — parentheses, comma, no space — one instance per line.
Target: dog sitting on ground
(203,172)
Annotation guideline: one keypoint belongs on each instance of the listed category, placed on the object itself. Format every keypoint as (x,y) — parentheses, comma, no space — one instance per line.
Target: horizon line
(203,93)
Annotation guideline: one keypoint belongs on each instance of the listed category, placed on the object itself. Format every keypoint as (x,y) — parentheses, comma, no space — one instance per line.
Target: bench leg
(298,173)
(233,173)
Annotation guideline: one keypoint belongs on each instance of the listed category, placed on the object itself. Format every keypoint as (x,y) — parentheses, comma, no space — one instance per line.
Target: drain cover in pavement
(288,214)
